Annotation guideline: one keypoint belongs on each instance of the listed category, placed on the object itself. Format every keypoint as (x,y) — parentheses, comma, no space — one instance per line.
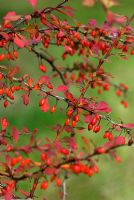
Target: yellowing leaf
(109,3)
(65,166)
(89,3)
(37,164)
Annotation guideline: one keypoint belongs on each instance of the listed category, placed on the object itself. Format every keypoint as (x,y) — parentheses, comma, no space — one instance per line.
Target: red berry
(132,52)
(96,129)
(14,161)
(43,20)
(106,86)
(117,158)
(15,53)
(94,33)
(76,118)
(69,112)
(110,137)
(94,120)
(82,168)
(76,168)
(49,85)
(42,68)
(130,142)
(48,162)
(107,134)
(64,151)
(74,123)
(100,150)
(118,92)
(2,56)
(67,121)
(124,103)
(90,171)
(5,103)
(1,76)
(41,102)
(53,109)
(23,163)
(17,88)
(102,46)
(19,158)
(97,116)
(43,156)
(125,49)
(95,168)
(44,185)
(9,56)
(90,127)
(27,161)
(1,91)
(58,182)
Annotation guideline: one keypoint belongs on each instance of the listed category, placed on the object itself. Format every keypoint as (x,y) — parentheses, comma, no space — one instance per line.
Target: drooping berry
(67,121)
(42,68)
(2,56)
(41,102)
(5,103)
(58,182)
(53,109)
(44,185)
(96,129)
(118,92)
(43,156)
(90,127)
(132,52)
(76,168)
(94,120)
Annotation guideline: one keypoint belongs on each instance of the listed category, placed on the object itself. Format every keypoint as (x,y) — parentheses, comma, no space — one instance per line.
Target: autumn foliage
(63,155)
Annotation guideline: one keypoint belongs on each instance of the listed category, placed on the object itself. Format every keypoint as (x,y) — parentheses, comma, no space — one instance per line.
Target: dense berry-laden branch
(93,46)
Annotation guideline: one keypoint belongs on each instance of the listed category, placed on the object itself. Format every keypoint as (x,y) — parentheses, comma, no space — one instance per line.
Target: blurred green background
(114,181)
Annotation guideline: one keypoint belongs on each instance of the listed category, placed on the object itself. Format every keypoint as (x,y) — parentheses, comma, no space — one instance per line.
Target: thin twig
(51,62)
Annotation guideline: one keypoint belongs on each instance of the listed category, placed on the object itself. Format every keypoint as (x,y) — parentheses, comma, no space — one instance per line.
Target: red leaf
(60,34)
(14,71)
(5,35)
(92,22)
(62,88)
(88,118)
(49,171)
(25,98)
(102,107)
(4,123)
(69,129)
(72,144)
(11,16)
(45,105)
(129,126)
(68,48)
(33,2)
(69,11)
(116,141)
(113,17)
(56,127)
(19,42)
(24,193)
(15,134)
(120,140)
(8,161)
(8,195)
(43,80)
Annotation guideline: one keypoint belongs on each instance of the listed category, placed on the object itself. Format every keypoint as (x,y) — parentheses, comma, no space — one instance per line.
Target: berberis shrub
(72,148)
